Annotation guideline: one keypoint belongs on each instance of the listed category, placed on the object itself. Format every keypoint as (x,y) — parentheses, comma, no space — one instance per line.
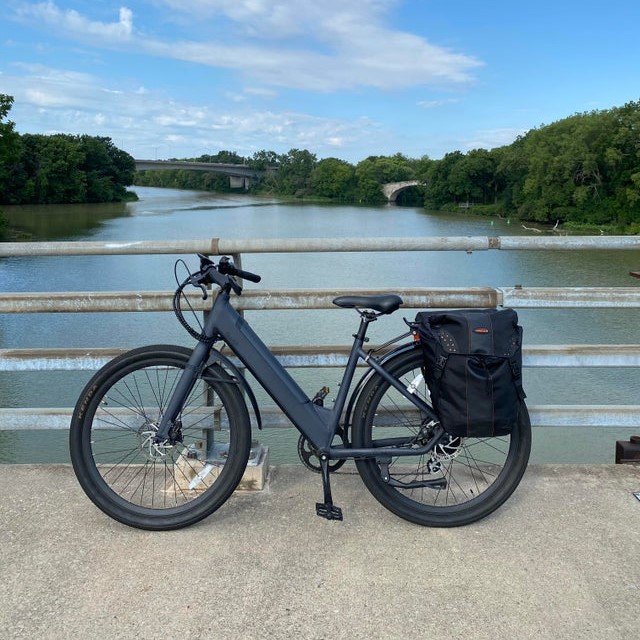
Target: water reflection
(56,221)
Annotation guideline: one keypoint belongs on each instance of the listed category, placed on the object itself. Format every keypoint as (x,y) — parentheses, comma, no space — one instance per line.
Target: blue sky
(341,78)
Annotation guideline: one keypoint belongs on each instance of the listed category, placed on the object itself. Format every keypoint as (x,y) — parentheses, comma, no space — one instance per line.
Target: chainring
(308,455)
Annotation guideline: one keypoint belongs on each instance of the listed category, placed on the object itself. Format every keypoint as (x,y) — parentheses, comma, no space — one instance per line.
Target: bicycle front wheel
(460,481)
(149,485)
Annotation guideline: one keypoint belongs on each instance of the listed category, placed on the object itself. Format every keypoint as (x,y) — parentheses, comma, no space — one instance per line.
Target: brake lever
(194,281)
(235,286)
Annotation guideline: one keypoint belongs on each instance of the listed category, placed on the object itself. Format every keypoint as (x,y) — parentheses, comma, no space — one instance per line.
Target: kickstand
(327,509)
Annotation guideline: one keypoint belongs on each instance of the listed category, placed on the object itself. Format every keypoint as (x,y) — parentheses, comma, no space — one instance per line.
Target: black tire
(480,473)
(113,455)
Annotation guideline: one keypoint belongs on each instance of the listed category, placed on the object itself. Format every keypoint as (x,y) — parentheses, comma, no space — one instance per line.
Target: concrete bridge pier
(239,182)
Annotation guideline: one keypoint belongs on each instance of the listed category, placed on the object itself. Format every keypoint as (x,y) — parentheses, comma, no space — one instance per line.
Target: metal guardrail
(304,356)
(220,246)
(257,300)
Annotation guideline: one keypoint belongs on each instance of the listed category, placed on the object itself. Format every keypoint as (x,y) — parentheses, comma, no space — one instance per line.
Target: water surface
(170,214)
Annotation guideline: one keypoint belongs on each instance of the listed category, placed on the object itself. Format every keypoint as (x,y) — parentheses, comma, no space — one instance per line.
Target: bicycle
(161,435)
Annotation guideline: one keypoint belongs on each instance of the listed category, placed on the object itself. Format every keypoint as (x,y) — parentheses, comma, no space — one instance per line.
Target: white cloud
(302,44)
(491,138)
(261,92)
(433,104)
(270,45)
(73,23)
(147,123)
(42,98)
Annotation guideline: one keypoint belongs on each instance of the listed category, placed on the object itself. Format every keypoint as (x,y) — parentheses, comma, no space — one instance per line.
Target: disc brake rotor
(153,450)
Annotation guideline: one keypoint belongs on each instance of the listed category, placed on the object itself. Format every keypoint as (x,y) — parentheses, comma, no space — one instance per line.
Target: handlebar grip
(225,266)
(247,275)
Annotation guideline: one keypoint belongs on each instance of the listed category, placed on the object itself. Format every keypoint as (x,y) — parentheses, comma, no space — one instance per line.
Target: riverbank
(13,233)
(557,561)
(564,228)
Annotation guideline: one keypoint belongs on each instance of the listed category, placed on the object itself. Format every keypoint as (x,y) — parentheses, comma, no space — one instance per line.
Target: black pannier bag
(473,368)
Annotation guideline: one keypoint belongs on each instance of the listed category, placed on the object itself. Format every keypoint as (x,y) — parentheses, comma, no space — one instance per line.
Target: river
(170,214)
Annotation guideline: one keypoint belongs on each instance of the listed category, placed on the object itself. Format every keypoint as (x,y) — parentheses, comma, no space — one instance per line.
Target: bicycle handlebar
(226,267)
(209,273)
(245,275)
(222,275)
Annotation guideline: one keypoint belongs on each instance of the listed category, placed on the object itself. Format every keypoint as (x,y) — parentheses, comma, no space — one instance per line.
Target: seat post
(347,377)
(366,317)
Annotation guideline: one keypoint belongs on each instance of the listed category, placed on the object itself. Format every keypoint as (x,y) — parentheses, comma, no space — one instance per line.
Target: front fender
(215,357)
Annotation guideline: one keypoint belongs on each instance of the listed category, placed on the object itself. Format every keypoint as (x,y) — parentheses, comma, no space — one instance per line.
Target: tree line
(580,171)
(60,168)
(299,173)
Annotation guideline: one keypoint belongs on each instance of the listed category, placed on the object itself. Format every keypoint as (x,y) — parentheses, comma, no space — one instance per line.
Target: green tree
(369,187)
(222,157)
(481,167)
(622,162)
(262,160)
(10,149)
(333,178)
(441,187)
(384,169)
(421,167)
(108,170)
(67,169)
(56,175)
(294,172)
(578,169)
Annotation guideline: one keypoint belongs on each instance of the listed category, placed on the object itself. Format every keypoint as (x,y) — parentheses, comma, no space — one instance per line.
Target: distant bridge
(240,175)
(392,190)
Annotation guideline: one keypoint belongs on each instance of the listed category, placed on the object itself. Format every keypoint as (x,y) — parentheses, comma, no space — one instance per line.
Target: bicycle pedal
(328,511)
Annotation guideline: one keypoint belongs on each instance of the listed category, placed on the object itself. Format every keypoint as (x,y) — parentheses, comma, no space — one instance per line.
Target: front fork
(186,383)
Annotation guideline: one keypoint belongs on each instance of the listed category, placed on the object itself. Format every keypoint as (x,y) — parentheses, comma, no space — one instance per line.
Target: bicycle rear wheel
(461,481)
(143,484)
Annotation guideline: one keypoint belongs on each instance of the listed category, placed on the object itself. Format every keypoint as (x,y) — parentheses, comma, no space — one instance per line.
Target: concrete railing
(517,297)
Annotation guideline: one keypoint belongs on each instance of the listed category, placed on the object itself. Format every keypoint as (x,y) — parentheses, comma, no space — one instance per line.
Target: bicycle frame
(318,424)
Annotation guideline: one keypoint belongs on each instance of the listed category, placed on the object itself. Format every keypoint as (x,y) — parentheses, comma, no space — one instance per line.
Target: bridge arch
(391,190)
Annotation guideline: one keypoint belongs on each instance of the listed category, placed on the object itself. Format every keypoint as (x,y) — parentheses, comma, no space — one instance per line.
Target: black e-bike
(161,435)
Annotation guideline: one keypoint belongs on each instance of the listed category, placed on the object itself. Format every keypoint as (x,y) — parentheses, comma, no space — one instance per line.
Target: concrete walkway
(560,560)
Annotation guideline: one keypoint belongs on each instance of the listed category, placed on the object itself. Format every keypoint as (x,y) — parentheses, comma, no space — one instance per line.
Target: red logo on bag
(481,330)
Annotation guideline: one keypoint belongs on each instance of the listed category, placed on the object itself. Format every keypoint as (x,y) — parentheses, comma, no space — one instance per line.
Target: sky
(341,78)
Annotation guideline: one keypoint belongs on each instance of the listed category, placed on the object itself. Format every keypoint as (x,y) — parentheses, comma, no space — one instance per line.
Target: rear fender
(355,394)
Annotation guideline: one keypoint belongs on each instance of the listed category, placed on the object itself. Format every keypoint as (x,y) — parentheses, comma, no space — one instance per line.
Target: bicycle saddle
(384,304)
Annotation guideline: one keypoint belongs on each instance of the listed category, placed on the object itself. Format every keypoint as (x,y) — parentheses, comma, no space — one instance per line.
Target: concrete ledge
(560,560)
(198,476)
